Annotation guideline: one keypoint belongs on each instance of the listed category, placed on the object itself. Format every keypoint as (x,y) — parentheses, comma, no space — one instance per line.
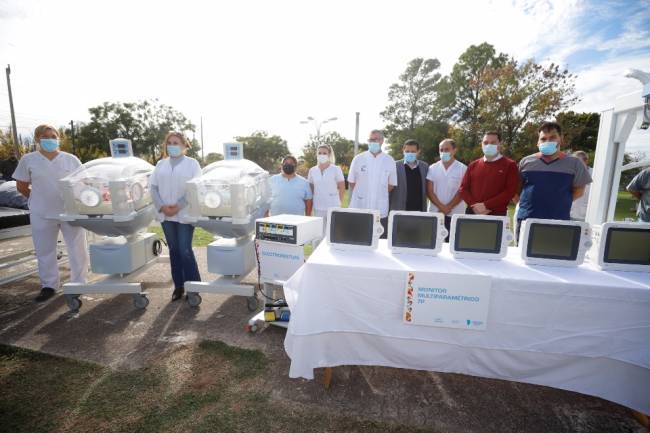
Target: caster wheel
(194,299)
(251,328)
(74,303)
(140,301)
(252,303)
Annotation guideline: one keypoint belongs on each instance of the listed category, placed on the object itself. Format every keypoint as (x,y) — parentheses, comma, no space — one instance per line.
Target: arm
(465,189)
(23,188)
(454,201)
(635,194)
(504,197)
(578,191)
(433,197)
(308,205)
(351,185)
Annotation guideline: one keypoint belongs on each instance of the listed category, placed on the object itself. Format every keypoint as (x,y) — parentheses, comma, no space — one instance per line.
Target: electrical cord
(259,275)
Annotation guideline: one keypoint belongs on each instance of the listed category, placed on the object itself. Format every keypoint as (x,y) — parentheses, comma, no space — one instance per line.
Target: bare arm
(308,205)
(391,187)
(432,196)
(23,188)
(578,192)
(454,201)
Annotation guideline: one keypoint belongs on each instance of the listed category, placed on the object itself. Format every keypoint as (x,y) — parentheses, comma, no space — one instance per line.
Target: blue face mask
(49,144)
(445,156)
(490,150)
(174,151)
(548,148)
(410,157)
(374,147)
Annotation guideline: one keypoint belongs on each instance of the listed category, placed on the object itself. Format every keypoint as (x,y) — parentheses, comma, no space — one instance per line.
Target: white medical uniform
(170,181)
(579,206)
(371,176)
(45,205)
(446,182)
(326,191)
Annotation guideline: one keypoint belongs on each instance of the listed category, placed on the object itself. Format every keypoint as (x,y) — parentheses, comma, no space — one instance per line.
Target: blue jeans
(181,257)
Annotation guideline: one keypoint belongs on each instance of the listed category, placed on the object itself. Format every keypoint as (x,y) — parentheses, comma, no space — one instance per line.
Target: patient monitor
(622,246)
(479,236)
(353,229)
(416,232)
(554,242)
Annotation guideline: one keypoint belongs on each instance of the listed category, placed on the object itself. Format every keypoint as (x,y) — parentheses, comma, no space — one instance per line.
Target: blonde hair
(178,135)
(40,130)
(330,150)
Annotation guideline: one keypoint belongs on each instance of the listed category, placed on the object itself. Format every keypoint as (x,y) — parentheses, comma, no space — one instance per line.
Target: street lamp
(317,124)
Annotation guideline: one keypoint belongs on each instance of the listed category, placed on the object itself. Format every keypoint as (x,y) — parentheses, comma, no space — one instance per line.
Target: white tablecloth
(579,329)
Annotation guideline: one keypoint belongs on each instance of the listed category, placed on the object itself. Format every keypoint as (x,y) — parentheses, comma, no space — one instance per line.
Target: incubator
(226,200)
(110,197)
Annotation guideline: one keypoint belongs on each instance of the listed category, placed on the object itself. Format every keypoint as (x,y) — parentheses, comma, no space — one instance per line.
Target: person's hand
(479,208)
(170,211)
(445,209)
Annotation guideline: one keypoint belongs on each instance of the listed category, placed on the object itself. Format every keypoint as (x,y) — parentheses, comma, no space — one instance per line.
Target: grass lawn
(211,387)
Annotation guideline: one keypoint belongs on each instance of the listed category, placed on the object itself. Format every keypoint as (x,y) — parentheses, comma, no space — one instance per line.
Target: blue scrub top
(288,195)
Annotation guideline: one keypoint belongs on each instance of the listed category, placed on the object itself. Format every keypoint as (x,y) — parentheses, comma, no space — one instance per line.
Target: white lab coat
(446,183)
(171,181)
(326,191)
(371,176)
(45,205)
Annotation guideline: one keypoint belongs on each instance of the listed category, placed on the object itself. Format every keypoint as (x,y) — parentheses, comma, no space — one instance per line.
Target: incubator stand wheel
(194,299)
(140,301)
(73,301)
(252,303)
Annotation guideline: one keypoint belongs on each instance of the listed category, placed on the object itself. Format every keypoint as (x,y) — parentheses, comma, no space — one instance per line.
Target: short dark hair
(493,132)
(291,157)
(411,142)
(450,141)
(549,126)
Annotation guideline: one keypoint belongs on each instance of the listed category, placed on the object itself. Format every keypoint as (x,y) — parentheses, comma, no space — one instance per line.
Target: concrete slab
(110,331)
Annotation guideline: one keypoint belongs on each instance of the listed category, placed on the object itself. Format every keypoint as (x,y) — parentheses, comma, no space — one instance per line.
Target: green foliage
(212,157)
(411,100)
(580,130)
(342,147)
(267,151)
(429,135)
(145,123)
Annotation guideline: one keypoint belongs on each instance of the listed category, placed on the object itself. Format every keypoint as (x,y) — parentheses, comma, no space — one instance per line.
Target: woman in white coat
(327,183)
(41,170)
(168,193)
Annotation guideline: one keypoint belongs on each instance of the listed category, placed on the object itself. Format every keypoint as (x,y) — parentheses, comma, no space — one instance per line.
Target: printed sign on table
(447,300)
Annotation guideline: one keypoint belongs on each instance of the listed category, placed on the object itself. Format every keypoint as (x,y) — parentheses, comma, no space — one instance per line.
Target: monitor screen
(628,246)
(477,235)
(414,231)
(550,241)
(351,228)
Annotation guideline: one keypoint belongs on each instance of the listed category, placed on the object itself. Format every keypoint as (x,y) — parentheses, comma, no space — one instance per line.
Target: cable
(259,276)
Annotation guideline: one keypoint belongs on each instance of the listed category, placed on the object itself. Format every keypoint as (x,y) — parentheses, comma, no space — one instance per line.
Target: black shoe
(178,294)
(46,293)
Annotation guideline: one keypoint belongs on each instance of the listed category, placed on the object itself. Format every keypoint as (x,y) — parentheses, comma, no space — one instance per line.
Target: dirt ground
(109,331)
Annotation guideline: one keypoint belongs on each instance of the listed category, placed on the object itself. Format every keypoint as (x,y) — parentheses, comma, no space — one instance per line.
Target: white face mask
(323,159)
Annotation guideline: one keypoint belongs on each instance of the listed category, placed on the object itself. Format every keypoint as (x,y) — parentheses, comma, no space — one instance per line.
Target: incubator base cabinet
(231,256)
(123,256)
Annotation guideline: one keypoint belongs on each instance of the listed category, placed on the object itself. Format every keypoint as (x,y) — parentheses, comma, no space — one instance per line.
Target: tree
(429,135)
(267,151)
(580,130)
(460,93)
(523,93)
(411,100)
(212,157)
(145,123)
(342,147)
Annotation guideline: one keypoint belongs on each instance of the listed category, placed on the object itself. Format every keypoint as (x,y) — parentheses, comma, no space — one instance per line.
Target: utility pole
(202,153)
(13,115)
(356,134)
(72,134)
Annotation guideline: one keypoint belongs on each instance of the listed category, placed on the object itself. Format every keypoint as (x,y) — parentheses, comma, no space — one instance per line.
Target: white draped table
(579,329)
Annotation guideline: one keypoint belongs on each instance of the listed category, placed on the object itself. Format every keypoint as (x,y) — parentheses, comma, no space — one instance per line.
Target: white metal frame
(441,233)
(584,245)
(506,237)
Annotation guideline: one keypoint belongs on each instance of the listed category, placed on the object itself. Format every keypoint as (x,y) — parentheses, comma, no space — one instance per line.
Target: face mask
(374,147)
(445,156)
(174,150)
(288,168)
(490,149)
(410,157)
(323,159)
(49,144)
(548,148)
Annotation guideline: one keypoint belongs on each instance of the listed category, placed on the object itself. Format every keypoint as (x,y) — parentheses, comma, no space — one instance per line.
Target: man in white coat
(42,170)
(372,177)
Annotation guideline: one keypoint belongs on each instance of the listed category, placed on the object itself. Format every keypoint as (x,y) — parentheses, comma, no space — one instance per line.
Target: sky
(266,65)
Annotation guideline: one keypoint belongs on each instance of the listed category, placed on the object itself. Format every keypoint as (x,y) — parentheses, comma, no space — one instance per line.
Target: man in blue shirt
(550,179)
(290,193)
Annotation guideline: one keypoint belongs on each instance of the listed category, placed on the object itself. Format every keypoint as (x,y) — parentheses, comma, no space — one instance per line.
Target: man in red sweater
(490,182)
